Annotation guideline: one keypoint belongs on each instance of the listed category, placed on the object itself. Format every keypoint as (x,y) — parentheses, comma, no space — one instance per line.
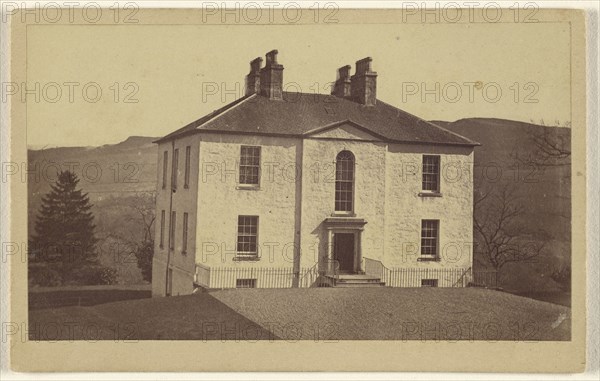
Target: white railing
(263,277)
(445,277)
(320,275)
(309,277)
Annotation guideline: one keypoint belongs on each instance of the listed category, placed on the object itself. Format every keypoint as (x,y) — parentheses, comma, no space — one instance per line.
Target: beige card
(296,189)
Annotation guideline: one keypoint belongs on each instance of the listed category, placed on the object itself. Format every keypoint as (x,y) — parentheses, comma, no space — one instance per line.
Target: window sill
(343,214)
(430,194)
(248,187)
(246,258)
(428,259)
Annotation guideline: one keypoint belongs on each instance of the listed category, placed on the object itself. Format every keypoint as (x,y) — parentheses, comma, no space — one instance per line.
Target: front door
(343,251)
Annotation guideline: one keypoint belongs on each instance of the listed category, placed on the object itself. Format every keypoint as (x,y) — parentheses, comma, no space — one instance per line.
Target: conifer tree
(64,230)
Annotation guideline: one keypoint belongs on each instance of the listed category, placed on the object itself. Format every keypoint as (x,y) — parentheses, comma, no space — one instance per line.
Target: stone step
(355,280)
(348,280)
(351,284)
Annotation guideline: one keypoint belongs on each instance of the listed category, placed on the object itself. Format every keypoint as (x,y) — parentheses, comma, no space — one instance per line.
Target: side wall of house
(222,200)
(180,198)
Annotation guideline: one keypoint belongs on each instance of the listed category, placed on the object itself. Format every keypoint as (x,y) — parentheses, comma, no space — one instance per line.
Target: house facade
(284,189)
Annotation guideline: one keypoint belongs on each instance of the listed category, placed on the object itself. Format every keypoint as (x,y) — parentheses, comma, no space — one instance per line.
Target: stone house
(287,189)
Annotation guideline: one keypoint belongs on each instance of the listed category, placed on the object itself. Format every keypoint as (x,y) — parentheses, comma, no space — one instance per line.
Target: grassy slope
(318,314)
(193,317)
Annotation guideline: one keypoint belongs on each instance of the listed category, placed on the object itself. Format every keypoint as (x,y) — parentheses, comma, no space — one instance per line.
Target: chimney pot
(272,57)
(271,77)
(255,65)
(364,83)
(253,77)
(341,88)
(363,66)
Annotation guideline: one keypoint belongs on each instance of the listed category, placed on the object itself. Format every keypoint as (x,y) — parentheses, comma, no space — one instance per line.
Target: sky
(154,79)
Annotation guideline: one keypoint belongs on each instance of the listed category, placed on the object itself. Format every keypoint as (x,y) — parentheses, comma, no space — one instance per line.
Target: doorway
(343,251)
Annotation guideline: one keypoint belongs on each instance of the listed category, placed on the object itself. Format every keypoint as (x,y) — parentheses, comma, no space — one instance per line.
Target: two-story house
(288,189)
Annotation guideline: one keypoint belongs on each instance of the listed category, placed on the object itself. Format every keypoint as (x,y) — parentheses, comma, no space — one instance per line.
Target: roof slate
(299,114)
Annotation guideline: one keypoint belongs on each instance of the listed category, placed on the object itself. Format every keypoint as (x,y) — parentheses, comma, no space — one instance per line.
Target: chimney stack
(341,88)
(271,77)
(253,77)
(364,83)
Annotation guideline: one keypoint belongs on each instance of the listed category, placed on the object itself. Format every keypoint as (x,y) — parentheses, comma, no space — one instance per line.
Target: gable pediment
(346,130)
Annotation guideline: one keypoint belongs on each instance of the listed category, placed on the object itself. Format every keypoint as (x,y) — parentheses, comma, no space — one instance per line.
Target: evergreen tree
(144,253)
(64,230)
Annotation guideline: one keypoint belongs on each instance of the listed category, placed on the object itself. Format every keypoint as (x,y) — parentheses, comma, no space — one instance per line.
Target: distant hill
(546,189)
(544,192)
(114,175)
(105,171)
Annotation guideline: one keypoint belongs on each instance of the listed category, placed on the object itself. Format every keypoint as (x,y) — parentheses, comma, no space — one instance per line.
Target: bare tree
(549,147)
(144,206)
(144,251)
(138,237)
(501,239)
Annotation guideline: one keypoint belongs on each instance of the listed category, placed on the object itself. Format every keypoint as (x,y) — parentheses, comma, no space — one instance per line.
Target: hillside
(544,192)
(110,169)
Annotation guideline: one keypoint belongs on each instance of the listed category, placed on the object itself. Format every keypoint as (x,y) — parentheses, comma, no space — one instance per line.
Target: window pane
(185,232)
(431,172)
(344,182)
(429,237)
(172,223)
(175,169)
(165,168)
(249,168)
(187,166)
(162,228)
(247,235)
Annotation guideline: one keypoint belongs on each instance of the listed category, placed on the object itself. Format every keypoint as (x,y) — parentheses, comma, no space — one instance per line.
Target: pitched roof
(300,114)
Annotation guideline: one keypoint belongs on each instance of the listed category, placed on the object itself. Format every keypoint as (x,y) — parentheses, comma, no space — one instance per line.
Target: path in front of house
(398,314)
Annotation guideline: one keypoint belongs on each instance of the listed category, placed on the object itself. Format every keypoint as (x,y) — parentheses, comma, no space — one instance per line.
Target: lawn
(319,314)
(560,297)
(52,297)
(191,317)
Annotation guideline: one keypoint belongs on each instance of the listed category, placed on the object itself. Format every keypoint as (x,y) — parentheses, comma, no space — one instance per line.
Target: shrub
(108,275)
(44,276)
(93,275)
(562,276)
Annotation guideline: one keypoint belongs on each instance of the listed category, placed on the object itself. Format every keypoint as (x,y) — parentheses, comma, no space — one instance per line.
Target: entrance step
(354,280)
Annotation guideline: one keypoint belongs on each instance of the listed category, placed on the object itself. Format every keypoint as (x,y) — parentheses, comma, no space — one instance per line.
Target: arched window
(344,182)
